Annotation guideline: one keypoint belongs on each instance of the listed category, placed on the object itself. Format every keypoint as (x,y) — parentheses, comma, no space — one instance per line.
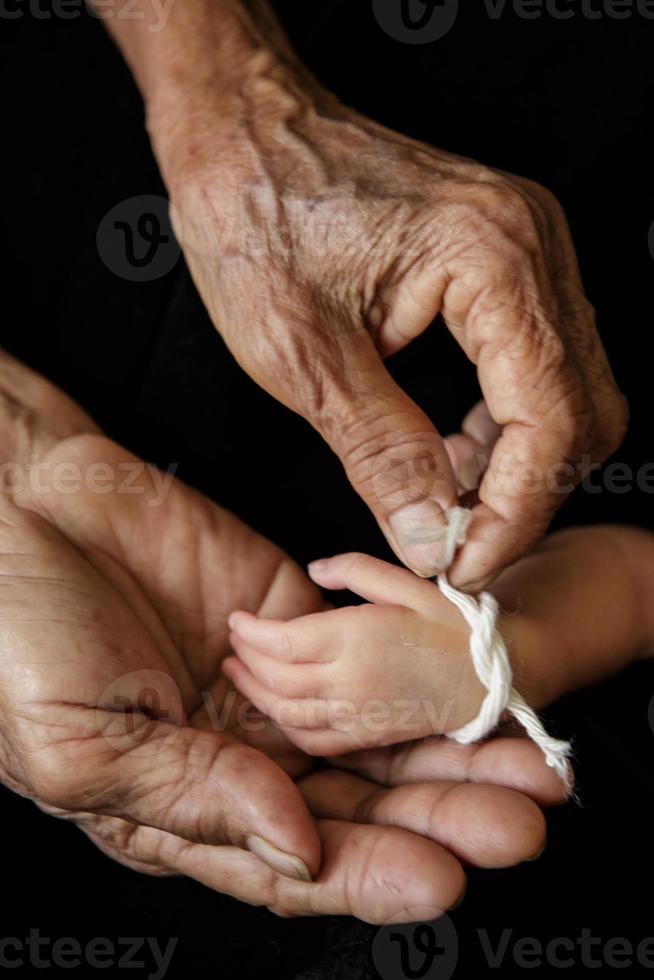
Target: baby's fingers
(376,581)
(301,640)
(285,712)
(298,680)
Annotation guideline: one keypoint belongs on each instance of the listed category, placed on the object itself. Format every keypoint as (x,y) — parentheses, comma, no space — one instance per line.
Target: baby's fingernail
(285,864)
(234,621)
(317,566)
(470,473)
(419,531)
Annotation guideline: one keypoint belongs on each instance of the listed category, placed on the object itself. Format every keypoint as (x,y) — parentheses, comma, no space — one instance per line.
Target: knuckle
(354,561)
(282,911)
(511,318)
(500,211)
(509,202)
(274,682)
(573,431)
(286,682)
(581,429)
(276,898)
(278,711)
(389,459)
(547,205)
(285,645)
(499,277)
(549,352)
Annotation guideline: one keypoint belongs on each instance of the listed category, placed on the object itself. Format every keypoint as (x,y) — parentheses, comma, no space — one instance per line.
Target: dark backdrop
(568,103)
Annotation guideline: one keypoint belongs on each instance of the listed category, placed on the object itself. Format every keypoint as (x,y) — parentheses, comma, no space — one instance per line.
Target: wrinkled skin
(322,242)
(104,595)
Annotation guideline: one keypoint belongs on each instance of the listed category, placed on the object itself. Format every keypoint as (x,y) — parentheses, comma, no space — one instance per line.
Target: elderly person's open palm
(116,715)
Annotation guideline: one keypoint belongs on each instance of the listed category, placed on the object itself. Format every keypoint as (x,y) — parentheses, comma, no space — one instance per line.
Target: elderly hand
(116,715)
(322,242)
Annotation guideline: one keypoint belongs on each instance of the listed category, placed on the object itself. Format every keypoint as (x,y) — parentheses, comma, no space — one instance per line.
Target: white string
(491,661)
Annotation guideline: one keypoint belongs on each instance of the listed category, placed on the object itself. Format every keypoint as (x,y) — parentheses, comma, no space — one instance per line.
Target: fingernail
(419,531)
(285,864)
(469,475)
(230,620)
(317,566)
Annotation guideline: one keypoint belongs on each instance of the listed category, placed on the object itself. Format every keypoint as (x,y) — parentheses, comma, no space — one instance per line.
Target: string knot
(491,661)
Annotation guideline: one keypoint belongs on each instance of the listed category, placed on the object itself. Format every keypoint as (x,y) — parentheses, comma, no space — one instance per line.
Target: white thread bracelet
(491,661)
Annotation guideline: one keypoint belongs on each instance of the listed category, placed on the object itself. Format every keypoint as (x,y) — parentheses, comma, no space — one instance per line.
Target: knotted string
(491,661)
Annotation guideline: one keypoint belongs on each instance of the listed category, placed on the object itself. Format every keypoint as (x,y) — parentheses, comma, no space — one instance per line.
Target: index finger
(489,826)
(515,763)
(535,391)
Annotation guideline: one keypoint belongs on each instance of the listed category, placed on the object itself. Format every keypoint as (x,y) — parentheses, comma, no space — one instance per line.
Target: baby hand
(395,669)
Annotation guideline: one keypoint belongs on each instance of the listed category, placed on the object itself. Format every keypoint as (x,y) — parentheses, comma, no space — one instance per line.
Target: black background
(568,103)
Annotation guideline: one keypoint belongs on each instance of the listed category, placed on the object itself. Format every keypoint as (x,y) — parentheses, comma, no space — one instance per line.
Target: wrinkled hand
(106,598)
(322,242)
(113,617)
